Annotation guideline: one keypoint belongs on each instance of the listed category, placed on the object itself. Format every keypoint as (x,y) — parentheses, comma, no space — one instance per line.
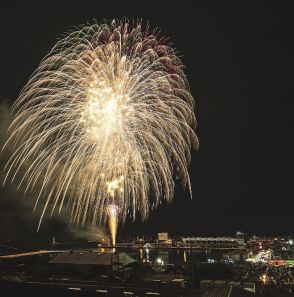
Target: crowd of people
(269,277)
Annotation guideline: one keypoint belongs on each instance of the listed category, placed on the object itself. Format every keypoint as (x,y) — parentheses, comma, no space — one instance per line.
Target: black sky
(239,62)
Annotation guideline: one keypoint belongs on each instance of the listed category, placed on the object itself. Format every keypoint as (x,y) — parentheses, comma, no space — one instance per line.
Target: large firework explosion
(106,119)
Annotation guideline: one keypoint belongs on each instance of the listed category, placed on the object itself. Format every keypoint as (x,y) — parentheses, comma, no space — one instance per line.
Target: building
(163,239)
(162,236)
(213,242)
(90,262)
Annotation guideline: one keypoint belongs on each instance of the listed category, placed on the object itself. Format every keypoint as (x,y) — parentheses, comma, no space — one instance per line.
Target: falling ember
(106,119)
(112,211)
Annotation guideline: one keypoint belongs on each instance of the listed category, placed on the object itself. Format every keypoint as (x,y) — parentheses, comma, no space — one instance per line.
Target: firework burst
(107,118)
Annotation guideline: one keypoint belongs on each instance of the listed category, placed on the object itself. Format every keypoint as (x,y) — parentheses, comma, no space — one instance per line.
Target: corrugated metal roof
(93,258)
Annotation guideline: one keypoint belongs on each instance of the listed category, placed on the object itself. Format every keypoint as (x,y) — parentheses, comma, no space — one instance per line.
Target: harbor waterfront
(190,266)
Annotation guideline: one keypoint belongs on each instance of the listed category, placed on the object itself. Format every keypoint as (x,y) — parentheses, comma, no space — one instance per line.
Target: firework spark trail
(112,212)
(107,101)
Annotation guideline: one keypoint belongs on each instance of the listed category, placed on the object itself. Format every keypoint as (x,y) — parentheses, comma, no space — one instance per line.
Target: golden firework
(107,118)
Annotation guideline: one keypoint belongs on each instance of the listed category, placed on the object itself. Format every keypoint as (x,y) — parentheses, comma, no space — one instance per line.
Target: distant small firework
(106,119)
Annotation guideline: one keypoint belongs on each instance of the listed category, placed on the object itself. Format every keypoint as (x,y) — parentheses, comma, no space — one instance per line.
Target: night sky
(239,62)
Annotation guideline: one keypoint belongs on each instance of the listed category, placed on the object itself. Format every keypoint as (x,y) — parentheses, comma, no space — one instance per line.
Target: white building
(208,242)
